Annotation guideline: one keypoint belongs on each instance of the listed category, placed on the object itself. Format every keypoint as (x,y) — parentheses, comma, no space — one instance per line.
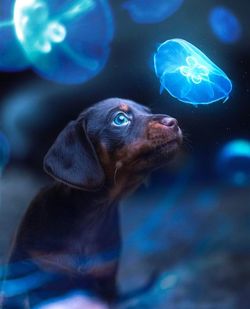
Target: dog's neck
(124,185)
(114,189)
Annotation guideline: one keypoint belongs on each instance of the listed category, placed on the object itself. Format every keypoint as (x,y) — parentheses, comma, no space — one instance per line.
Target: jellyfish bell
(189,75)
(233,163)
(225,25)
(65,41)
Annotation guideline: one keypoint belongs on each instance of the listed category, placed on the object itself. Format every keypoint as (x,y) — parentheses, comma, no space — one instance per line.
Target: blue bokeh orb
(233,162)
(225,25)
(189,75)
(148,11)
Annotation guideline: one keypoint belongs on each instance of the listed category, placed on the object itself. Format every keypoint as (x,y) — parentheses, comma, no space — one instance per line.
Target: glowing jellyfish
(4,151)
(189,75)
(148,11)
(225,25)
(233,162)
(65,41)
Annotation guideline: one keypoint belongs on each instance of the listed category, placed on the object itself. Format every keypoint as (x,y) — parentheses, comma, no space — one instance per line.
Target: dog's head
(113,138)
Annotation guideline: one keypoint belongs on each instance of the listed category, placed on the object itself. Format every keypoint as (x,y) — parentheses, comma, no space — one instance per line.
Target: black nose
(166,121)
(169,122)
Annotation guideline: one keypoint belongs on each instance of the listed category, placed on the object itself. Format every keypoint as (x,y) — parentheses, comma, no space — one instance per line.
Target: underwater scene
(184,225)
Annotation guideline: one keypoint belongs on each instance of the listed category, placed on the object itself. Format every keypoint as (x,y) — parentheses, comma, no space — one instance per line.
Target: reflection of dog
(69,238)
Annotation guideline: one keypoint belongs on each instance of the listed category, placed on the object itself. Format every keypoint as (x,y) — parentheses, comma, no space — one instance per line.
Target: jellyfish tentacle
(79,7)
(6,23)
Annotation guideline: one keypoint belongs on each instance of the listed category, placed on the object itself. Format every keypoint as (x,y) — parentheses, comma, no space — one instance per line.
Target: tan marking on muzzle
(130,152)
(157,131)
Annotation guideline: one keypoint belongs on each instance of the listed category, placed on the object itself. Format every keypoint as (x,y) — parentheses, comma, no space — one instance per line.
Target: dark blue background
(187,223)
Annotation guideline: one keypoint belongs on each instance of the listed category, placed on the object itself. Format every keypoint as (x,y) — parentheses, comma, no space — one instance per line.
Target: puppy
(69,238)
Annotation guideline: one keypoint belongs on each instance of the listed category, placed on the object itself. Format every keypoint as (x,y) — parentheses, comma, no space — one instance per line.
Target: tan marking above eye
(124,107)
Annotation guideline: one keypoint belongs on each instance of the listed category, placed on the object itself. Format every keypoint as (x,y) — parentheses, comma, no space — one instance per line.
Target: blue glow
(23,112)
(189,75)
(154,219)
(225,25)
(64,41)
(28,278)
(19,286)
(234,162)
(207,200)
(4,151)
(12,56)
(16,115)
(73,300)
(148,11)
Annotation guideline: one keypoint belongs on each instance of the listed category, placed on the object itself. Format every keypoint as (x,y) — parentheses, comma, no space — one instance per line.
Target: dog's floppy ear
(73,160)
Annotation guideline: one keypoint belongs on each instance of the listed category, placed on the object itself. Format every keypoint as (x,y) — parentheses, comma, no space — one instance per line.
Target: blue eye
(121,119)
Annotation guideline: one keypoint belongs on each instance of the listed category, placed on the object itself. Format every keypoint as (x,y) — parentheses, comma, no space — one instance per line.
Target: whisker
(187,142)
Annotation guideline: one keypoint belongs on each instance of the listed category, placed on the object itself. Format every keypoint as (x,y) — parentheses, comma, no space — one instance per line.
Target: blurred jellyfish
(148,11)
(16,117)
(233,162)
(189,75)
(4,151)
(225,25)
(64,41)
(22,113)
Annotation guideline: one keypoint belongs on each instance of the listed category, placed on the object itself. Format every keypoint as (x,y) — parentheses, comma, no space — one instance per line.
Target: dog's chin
(158,156)
(164,153)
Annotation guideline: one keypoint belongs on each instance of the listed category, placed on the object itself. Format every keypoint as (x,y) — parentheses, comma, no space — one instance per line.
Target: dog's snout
(169,122)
